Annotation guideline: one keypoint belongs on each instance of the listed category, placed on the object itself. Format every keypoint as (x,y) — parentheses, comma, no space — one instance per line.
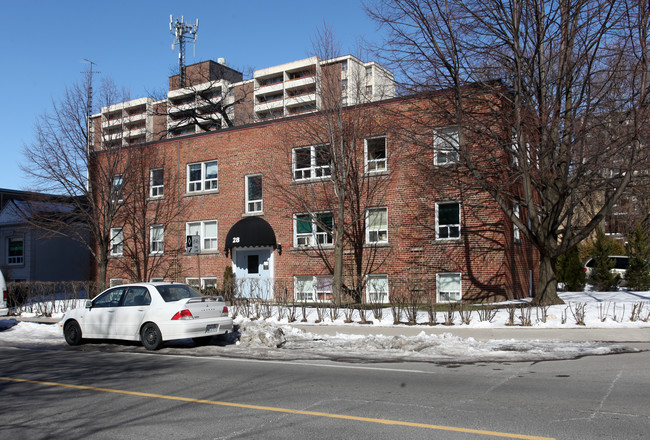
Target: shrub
(638,248)
(570,270)
(601,277)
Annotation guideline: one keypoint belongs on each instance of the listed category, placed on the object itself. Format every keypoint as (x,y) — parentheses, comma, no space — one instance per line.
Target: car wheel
(151,337)
(203,340)
(72,333)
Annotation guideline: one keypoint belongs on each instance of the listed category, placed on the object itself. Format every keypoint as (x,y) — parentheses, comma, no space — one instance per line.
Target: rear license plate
(211,328)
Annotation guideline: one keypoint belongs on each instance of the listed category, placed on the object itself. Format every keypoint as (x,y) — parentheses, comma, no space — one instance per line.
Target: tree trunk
(546,293)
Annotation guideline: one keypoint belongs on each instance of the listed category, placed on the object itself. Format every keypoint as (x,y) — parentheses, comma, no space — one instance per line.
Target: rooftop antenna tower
(90,73)
(182,33)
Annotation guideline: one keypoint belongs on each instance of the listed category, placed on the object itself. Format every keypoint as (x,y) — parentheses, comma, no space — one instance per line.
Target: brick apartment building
(246,168)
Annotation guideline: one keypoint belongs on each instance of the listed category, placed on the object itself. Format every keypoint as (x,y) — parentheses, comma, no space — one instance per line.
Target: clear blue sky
(45,42)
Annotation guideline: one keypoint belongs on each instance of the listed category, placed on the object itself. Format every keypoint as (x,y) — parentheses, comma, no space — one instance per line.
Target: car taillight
(4,295)
(225,310)
(183,314)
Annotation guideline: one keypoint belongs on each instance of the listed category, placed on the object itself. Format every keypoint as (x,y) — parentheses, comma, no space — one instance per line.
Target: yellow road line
(283,410)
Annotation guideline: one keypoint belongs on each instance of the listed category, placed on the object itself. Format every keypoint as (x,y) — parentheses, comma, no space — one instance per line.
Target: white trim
(377,231)
(459,224)
(200,185)
(376,163)
(257,202)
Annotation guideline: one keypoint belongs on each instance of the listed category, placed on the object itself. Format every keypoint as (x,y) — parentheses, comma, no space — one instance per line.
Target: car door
(131,312)
(99,320)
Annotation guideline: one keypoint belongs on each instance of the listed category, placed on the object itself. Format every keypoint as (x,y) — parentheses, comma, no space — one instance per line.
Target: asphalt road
(98,392)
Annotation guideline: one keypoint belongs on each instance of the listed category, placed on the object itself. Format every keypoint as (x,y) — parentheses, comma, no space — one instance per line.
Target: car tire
(150,336)
(72,333)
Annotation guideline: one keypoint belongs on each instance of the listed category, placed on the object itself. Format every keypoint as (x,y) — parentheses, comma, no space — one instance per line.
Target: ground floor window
(448,287)
(377,289)
(206,283)
(15,251)
(115,282)
(313,288)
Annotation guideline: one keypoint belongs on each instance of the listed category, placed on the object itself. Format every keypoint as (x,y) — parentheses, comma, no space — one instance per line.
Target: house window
(303,288)
(115,282)
(203,176)
(311,162)
(206,283)
(310,233)
(377,288)
(445,144)
(156,239)
(15,251)
(447,220)
(118,187)
(375,155)
(516,233)
(377,225)
(254,193)
(324,287)
(156,183)
(208,232)
(448,287)
(117,242)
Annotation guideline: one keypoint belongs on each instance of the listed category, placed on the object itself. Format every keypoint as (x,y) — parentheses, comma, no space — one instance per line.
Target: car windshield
(176,292)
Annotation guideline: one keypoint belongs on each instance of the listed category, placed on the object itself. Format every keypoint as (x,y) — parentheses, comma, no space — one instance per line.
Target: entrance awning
(250,231)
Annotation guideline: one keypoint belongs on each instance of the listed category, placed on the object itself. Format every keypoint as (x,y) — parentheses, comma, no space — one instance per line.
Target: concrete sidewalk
(480,334)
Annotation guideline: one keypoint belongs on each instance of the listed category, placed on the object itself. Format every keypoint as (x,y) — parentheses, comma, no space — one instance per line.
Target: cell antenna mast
(90,73)
(182,33)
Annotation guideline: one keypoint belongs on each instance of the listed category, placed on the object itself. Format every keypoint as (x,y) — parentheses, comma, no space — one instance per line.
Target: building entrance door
(254,272)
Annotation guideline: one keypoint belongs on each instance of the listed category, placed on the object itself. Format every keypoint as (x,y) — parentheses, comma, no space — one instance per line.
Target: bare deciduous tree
(60,160)
(551,98)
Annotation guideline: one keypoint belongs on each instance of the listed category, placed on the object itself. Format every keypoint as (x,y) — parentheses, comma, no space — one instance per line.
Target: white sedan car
(148,312)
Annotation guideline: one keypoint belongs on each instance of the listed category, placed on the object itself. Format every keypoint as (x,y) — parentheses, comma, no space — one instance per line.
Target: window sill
(376,173)
(312,248)
(447,240)
(377,244)
(312,180)
(156,198)
(201,193)
(252,214)
(156,254)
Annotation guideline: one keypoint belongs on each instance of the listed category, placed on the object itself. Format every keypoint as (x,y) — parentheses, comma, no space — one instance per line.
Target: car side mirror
(89,304)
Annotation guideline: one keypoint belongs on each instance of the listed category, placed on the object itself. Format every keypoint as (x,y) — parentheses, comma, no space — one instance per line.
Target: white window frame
(202,184)
(450,225)
(314,237)
(117,247)
(303,288)
(114,282)
(446,142)
(443,296)
(156,191)
(254,205)
(156,242)
(376,235)
(375,165)
(15,260)
(314,171)
(208,243)
(206,282)
(373,295)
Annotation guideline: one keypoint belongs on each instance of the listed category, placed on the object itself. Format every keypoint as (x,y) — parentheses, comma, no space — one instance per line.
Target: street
(97,392)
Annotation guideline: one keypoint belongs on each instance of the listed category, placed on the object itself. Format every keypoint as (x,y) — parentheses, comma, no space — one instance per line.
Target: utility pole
(182,32)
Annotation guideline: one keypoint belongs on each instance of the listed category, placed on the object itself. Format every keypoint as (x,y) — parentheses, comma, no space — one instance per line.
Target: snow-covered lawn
(278,339)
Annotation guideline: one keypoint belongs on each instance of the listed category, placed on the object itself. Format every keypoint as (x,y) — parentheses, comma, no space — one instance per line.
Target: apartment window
(313,288)
(208,232)
(344,84)
(446,143)
(447,220)
(303,288)
(311,233)
(254,193)
(375,154)
(117,242)
(118,187)
(311,162)
(368,90)
(15,251)
(156,183)
(377,225)
(377,288)
(344,65)
(206,283)
(368,72)
(113,282)
(156,239)
(448,287)
(203,176)
(516,233)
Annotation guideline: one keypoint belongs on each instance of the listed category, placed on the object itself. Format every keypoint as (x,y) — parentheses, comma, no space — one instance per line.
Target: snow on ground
(277,339)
